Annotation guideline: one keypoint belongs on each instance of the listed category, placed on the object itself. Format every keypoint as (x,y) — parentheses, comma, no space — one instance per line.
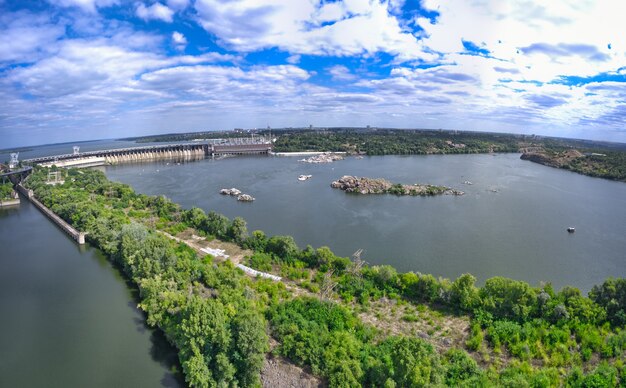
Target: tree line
(219,319)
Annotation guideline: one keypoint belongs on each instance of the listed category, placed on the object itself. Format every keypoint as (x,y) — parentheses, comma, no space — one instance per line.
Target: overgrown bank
(603,160)
(217,317)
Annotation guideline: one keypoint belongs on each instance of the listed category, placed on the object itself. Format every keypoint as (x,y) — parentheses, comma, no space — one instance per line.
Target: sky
(75,70)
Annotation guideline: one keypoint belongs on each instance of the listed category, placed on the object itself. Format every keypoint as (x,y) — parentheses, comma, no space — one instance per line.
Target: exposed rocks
(454,145)
(552,159)
(234,192)
(327,157)
(245,198)
(237,193)
(352,184)
(278,372)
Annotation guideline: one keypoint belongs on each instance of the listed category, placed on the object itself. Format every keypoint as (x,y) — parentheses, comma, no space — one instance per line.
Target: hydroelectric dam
(183,152)
(176,152)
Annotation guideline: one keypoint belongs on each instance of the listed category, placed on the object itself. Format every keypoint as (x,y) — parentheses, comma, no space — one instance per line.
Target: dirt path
(280,373)
(391,317)
(232,251)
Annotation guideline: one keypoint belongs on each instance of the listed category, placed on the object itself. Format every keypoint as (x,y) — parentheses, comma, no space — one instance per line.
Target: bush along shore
(352,184)
(349,323)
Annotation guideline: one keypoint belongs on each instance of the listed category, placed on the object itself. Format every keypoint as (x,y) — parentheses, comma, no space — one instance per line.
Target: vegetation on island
(324,314)
(351,184)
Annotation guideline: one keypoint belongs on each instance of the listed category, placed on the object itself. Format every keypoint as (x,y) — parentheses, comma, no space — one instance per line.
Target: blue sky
(91,69)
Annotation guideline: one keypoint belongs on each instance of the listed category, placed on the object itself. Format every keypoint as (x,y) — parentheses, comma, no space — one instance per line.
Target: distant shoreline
(305,153)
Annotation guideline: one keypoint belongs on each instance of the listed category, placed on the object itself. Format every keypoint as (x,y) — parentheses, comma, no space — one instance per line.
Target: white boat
(571,229)
(304,177)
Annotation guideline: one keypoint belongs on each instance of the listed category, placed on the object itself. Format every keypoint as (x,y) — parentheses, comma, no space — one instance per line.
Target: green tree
(611,295)
(464,293)
(237,230)
(215,224)
(251,343)
(195,217)
(415,362)
(509,299)
(284,247)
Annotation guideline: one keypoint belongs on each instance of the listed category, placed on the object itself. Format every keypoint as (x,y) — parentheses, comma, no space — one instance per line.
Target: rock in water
(245,198)
(352,184)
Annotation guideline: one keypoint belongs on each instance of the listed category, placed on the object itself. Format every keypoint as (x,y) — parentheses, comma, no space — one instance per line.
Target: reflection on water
(68,317)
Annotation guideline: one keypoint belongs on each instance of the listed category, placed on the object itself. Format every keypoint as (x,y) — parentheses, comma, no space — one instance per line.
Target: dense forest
(329,313)
(395,142)
(594,158)
(6,191)
(599,159)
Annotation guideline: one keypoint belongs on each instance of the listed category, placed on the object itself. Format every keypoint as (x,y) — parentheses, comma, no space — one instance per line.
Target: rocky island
(353,184)
(326,157)
(237,193)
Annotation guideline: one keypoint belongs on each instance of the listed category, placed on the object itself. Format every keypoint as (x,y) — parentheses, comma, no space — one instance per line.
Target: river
(511,222)
(68,317)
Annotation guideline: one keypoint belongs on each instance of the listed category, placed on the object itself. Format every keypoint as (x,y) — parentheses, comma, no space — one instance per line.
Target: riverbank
(179,289)
(605,164)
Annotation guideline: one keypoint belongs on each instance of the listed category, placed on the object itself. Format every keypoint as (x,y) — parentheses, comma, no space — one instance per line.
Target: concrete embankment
(254,272)
(79,237)
(9,202)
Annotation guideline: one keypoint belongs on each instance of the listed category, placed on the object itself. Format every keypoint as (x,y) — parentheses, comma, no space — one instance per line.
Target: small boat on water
(571,229)
(304,177)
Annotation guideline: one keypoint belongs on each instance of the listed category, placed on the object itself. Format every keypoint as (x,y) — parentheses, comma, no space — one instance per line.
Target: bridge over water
(16,176)
(186,151)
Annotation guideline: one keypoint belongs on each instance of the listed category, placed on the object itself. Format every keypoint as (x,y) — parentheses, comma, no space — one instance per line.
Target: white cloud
(156,11)
(293,59)
(179,40)
(86,5)
(115,77)
(352,27)
(27,37)
(542,40)
(341,73)
(178,4)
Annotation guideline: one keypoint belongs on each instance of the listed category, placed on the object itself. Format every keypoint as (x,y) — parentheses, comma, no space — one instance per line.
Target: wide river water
(69,319)
(511,222)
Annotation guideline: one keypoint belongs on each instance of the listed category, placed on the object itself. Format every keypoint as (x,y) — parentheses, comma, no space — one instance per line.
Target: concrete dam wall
(175,152)
(166,154)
